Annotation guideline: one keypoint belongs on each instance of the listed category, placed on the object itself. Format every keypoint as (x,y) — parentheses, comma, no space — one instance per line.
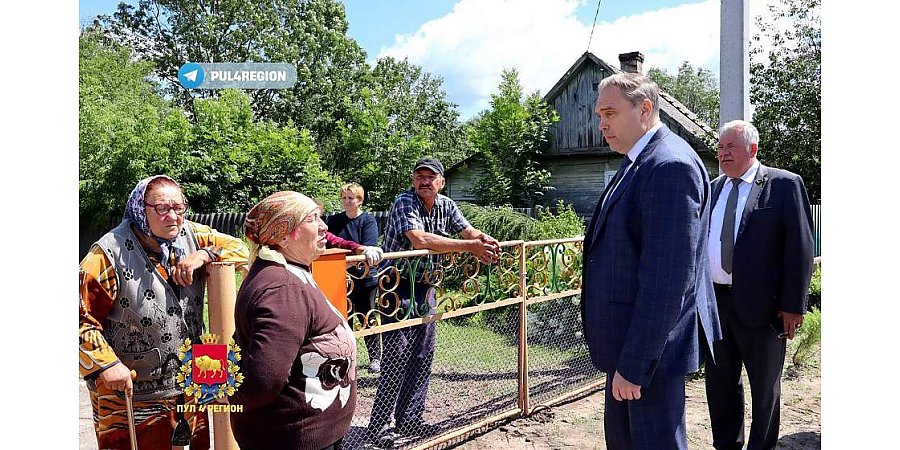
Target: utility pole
(734,61)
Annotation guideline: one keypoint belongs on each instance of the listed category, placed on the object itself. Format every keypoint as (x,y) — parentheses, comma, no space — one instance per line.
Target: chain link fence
(447,334)
(564,364)
(559,365)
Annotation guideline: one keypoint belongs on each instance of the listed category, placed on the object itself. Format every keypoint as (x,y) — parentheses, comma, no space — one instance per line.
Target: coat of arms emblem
(209,371)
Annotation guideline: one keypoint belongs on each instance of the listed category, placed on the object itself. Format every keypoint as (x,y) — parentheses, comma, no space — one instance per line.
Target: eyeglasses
(164,208)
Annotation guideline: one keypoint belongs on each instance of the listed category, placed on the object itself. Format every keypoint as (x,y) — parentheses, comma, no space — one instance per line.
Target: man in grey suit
(761,258)
(646,291)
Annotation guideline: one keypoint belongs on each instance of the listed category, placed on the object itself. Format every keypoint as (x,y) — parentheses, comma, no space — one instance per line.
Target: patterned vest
(150,318)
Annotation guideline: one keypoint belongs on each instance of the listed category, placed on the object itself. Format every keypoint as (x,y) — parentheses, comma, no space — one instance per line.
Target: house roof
(585,58)
(696,129)
(668,105)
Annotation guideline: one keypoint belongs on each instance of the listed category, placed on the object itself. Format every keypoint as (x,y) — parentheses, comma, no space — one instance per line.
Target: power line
(594,25)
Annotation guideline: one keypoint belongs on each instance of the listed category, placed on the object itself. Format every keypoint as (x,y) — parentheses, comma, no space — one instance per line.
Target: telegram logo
(237,75)
(191,75)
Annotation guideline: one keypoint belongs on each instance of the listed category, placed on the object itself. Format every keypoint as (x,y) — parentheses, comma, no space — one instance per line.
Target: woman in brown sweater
(298,353)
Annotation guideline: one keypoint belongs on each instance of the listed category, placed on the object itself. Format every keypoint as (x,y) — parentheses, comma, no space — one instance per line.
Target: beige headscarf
(273,218)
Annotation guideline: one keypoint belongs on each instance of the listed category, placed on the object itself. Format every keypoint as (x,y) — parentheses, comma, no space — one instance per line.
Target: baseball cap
(431,164)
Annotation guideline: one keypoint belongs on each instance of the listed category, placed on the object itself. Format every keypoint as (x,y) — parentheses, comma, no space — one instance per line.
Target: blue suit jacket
(646,288)
(773,252)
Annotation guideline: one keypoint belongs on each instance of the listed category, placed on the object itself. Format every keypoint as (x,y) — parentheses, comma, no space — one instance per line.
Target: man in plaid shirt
(420,218)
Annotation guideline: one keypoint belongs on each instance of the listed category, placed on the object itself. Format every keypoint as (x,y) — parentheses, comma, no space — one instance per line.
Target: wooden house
(580,160)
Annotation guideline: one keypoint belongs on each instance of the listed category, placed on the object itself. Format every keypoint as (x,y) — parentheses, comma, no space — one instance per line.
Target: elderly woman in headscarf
(141,294)
(298,353)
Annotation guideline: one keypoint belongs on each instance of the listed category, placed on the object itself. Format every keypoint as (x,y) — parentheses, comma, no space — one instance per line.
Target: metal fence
(817,227)
(507,339)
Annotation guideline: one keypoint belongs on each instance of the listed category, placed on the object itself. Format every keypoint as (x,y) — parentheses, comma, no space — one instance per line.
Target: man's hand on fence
(484,237)
(486,248)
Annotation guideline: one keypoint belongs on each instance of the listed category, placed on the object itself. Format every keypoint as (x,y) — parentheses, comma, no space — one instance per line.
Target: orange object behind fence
(330,273)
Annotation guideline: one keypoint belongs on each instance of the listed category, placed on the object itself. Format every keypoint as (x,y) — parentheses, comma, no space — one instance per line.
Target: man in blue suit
(761,261)
(647,296)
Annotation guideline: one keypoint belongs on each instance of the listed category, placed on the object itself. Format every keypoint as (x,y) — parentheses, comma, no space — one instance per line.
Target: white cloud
(666,37)
(470,46)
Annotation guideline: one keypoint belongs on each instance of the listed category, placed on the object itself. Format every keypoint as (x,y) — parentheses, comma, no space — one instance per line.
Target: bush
(505,224)
(815,290)
(125,130)
(565,223)
(224,159)
(805,343)
(501,222)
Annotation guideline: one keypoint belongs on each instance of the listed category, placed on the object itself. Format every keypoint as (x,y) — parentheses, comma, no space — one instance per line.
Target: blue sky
(469,42)
(373,23)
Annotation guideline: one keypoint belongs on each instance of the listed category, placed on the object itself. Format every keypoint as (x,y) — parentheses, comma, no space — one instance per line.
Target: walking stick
(131,433)
(181,435)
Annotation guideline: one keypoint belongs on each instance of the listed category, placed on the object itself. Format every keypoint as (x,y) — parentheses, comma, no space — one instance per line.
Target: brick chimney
(631,62)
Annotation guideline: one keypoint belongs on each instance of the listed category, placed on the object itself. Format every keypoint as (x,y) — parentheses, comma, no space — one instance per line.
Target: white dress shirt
(714,246)
(633,155)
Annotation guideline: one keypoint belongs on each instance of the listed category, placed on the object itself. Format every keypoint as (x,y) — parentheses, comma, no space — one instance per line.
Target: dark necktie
(593,228)
(626,161)
(727,237)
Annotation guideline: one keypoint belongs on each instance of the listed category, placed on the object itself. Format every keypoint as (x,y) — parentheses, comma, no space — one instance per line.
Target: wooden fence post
(222,295)
(523,333)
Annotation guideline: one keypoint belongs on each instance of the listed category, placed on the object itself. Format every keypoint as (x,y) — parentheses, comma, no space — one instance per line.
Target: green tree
(312,34)
(126,131)
(225,160)
(786,86)
(695,87)
(401,115)
(512,137)
(235,161)
(418,102)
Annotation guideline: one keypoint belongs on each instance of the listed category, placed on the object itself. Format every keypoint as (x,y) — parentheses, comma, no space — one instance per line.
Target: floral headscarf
(274,217)
(136,213)
(135,210)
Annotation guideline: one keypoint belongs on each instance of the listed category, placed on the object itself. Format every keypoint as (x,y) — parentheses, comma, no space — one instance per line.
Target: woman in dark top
(298,353)
(355,225)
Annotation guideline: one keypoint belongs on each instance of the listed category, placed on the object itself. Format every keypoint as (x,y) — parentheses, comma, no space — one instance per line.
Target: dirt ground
(578,424)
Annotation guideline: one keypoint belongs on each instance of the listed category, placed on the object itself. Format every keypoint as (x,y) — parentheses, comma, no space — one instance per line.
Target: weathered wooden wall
(577,130)
(461,182)
(581,180)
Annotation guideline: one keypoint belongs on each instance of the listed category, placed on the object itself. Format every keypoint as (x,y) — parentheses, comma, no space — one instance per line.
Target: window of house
(607,177)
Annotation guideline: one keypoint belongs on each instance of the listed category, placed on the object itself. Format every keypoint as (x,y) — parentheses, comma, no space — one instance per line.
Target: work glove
(373,255)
